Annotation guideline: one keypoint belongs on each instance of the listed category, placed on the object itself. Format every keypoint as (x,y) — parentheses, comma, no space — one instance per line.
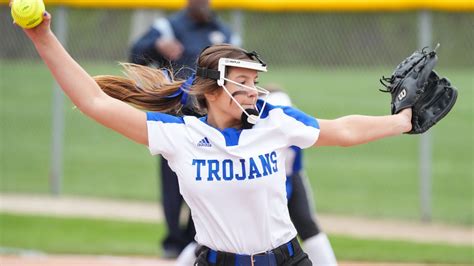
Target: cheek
(233,109)
(228,105)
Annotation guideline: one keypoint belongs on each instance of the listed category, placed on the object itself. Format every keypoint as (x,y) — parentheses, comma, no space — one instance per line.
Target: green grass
(378,179)
(80,236)
(87,236)
(353,249)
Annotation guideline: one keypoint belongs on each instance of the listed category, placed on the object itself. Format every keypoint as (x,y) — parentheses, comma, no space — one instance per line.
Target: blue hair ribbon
(183,89)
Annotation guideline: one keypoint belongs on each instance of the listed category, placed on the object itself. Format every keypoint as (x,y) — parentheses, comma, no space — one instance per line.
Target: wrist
(405,120)
(42,39)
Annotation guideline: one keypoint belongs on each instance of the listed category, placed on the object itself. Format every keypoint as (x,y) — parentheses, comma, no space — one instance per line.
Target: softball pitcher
(231,162)
(299,195)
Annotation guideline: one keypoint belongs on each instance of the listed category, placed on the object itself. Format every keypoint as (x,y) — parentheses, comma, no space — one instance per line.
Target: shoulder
(286,112)
(178,16)
(164,118)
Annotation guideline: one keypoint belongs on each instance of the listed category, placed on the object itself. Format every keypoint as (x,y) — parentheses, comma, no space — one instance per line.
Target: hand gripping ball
(27,13)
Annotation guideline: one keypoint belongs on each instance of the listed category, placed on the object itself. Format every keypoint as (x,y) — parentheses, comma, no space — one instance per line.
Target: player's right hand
(41,30)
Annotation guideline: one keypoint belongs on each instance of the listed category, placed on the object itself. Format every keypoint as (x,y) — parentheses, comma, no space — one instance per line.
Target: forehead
(242,72)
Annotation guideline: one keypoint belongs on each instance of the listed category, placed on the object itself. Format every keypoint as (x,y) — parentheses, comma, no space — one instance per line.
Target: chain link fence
(284,39)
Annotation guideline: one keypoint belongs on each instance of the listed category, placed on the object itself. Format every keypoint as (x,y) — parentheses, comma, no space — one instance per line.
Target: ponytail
(146,88)
(152,89)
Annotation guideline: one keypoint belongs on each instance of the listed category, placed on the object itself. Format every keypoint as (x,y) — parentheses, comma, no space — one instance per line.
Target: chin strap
(248,121)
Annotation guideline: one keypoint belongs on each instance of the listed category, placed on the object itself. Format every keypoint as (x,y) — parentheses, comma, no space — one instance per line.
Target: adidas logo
(204,143)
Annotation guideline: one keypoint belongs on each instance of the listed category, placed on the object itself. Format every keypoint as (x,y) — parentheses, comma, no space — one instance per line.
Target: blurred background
(329,59)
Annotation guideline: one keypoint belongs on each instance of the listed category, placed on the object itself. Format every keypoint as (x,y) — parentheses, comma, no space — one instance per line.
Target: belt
(268,258)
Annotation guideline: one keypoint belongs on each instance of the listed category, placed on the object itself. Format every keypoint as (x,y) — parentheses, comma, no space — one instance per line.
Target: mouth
(248,106)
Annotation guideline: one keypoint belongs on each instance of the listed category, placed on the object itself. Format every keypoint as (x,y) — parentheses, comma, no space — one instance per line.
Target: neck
(221,122)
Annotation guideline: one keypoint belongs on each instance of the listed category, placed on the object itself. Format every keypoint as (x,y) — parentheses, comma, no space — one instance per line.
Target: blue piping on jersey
(165,118)
(298,160)
(289,187)
(296,167)
(231,135)
(290,111)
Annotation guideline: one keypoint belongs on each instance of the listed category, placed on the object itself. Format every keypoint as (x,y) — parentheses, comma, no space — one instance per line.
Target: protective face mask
(249,116)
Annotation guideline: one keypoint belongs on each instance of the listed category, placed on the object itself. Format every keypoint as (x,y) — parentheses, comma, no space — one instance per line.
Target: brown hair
(150,89)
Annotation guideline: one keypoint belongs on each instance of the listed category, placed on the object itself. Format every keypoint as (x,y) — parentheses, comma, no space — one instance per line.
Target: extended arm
(83,90)
(358,129)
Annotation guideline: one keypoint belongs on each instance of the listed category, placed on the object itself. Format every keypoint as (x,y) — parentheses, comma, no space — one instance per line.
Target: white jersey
(234,180)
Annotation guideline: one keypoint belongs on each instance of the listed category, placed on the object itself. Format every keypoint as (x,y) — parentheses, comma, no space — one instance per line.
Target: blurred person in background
(175,43)
(300,201)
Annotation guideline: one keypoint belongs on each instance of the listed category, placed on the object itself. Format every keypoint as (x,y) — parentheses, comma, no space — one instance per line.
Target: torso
(233,181)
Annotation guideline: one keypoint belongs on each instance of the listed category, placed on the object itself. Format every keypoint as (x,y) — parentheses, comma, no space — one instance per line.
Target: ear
(212,96)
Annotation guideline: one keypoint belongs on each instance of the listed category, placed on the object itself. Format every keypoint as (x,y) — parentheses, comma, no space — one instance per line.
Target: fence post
(60,27)
(142,19)
(237,24)
(425,156)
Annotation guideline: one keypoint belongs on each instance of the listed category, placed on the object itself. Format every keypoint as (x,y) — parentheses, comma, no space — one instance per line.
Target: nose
(252,93)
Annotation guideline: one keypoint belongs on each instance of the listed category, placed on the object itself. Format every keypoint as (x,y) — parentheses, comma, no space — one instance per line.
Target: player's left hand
(415,85)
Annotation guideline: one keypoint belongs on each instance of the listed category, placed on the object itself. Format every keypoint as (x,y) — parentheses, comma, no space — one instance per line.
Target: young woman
(230,163)
(299,195)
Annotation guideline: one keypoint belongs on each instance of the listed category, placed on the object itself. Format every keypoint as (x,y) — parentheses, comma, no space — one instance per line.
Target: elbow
(91,106)
(347,143)
(347,139)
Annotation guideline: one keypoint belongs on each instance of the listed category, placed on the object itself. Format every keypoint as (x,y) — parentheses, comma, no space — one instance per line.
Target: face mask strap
(234,100)
(254,55)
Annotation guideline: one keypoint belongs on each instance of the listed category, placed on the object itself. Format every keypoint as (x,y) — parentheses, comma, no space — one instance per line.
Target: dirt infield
(74,260)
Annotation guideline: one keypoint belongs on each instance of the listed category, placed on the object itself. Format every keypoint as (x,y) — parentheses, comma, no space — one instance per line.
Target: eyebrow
(245,76)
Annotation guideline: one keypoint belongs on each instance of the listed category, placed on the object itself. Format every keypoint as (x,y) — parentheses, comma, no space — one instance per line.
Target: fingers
(46,15)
